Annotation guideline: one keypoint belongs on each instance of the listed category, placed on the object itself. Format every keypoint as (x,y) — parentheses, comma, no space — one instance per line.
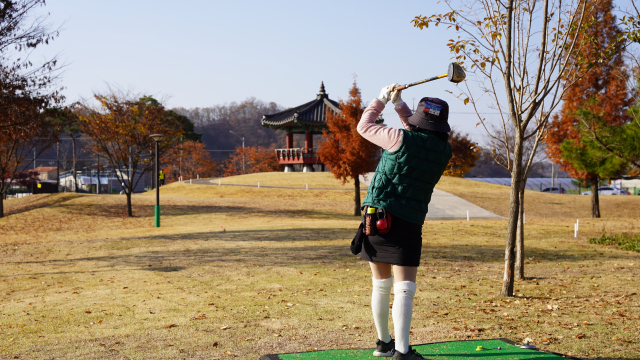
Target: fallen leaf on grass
(224,327)
(215,344)
(618,339)
(171,326)
(580,336)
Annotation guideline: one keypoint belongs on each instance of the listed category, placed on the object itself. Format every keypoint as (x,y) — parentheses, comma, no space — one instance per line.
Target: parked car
(607,190)
(554,190)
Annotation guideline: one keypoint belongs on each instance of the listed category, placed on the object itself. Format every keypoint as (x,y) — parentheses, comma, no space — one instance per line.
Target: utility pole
(241,137)
(58,166)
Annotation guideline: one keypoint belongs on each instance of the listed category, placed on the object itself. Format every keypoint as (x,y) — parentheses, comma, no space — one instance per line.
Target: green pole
(157,207)
(156,173)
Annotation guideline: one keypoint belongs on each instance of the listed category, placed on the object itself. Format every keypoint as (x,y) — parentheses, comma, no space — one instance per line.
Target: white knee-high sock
(380,307)
(402,309)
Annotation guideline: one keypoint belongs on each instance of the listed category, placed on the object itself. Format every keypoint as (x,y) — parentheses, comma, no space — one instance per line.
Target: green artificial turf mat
(441,351)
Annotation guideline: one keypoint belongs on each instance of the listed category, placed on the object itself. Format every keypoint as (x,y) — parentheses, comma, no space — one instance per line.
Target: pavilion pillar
(308,142)
(289,167)
(289,140)
(308,149)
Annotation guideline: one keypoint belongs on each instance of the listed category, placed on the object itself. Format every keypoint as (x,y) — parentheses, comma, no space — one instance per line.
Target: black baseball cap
(431,114)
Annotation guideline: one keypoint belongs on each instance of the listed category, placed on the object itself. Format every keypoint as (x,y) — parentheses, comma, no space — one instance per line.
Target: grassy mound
(295,179)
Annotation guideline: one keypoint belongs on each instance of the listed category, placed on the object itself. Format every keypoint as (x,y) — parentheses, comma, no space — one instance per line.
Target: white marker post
(258,185)
(467,215)
(189,181)
(219,182)
(575,230)
(307,187)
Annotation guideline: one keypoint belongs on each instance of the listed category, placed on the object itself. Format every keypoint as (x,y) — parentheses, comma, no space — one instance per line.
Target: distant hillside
(215,122)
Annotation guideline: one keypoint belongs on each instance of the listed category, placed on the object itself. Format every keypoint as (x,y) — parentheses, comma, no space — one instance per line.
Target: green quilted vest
(405,178)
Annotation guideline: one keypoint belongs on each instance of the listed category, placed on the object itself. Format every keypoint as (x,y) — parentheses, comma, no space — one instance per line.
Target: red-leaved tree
(465,154)
(189,159)
(602,90)
(256,159)
(347,153)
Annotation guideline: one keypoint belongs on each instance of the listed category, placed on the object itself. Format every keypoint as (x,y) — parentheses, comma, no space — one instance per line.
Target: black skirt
(402,245)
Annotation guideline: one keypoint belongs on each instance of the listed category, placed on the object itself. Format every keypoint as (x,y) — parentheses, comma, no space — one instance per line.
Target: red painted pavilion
(309,118)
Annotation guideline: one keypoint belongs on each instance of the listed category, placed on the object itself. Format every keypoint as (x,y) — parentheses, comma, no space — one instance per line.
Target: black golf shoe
(384,349)
(410,355)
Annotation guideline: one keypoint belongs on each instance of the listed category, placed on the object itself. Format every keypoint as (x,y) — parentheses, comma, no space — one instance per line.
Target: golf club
(455,74)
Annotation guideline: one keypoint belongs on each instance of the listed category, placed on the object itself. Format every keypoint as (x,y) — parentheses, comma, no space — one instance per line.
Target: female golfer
(400,191)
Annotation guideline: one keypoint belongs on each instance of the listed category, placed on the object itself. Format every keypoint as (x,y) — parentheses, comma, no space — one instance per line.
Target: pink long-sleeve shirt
(387,138)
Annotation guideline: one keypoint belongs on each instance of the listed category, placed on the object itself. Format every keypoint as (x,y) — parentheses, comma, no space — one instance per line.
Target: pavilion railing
(295,153)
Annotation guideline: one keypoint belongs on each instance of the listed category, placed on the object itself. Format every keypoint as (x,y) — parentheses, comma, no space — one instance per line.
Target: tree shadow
(38,201)
(294,247)
(119,211)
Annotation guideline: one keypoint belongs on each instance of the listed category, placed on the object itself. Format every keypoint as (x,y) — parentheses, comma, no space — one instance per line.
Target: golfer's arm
(404,112)
(383,136)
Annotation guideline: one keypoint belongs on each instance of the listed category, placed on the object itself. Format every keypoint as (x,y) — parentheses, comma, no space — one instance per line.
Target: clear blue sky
(203,53)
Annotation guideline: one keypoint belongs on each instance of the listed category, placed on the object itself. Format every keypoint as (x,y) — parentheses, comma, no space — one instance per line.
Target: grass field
(237,272)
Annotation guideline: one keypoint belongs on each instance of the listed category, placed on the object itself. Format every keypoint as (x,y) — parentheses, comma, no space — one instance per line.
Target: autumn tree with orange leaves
(347,153)
(120,129)
(189,159)
(603,91)
(256,159)
(465,154)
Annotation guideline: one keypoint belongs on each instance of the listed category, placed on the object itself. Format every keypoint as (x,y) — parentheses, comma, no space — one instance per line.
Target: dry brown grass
(81,280)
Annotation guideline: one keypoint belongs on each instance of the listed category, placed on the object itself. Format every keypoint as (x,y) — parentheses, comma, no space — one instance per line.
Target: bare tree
(501,144)
(518,52)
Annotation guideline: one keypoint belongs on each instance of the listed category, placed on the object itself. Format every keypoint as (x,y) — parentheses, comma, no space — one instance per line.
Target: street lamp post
(157,138)
(242,137)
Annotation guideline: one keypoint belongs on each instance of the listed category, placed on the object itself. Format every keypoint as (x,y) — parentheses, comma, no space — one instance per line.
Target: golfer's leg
(404,289)
(382,282)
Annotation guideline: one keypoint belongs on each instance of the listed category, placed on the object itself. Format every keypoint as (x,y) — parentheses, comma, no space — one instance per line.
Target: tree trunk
(58,167)
(595,198)
(520,238)
(357,211)
(512,226)
(75,177)
(129,212)
(98,171)
(2,205)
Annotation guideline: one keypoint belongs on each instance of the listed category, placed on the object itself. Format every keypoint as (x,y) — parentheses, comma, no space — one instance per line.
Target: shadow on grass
(285,248)
(119,211)
(38,201)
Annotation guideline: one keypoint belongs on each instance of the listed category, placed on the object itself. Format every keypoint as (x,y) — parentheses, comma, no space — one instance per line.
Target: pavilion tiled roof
(312,112)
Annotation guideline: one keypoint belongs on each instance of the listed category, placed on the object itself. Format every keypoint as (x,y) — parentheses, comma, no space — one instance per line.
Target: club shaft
(402,87)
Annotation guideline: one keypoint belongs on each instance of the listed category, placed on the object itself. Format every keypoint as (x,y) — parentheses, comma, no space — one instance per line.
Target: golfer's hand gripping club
(396,97)
(385,93)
